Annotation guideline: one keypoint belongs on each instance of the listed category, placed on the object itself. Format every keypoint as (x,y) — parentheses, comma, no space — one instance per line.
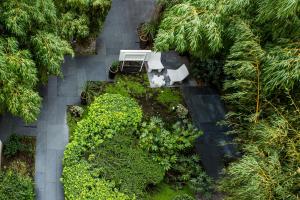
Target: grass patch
(163,191)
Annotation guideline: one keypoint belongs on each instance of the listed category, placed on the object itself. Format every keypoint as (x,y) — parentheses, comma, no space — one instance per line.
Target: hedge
(108,115)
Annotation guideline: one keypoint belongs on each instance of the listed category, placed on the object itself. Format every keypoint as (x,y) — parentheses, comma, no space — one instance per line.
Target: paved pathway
(214,145)
(51,129)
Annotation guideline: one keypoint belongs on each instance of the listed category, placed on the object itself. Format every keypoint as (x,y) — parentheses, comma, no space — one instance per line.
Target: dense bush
(13,146)
(76,111)
(14,186)
(127,86)
(183,197)
(82,183)
(82,19)
(259,40)
(209,71)
(164,145)
(108,115)
(30,50)
(119,159)
(91,90)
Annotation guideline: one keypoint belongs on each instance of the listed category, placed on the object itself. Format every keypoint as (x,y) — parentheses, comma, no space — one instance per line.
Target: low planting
(121,149)
(16,175)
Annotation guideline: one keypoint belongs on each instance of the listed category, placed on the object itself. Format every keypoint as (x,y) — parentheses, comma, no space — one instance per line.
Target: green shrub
(131,169)
(187,170)
(14,186)
(108,115)
(183,197)
(20,167)
(164,145)
(81,183)
(127,86)
(76,111)
(13,146)
(169,98)
(91,90)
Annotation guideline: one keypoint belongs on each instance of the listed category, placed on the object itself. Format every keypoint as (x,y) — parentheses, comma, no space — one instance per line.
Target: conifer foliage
(260,42)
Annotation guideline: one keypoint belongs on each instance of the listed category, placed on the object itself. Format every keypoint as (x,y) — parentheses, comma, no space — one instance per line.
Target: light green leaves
(190,27)
(49,53)
(18,77)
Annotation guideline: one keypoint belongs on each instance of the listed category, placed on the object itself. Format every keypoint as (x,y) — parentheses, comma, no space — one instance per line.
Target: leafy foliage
(18,77)
(82,18)
(210,71)
(192,26)
(131,169)
(165,145)
(30,51)
(259,41)
(169,97)
(183,197)
(81,183)
(49,53)
(108,115)
(14,186)
(13,146)
(126,86)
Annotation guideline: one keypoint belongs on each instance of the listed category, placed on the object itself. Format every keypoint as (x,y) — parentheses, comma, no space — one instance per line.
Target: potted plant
(114,68)
(146,33)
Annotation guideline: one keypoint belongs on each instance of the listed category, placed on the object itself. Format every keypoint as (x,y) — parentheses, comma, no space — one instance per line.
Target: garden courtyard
(104,133)
(52,131)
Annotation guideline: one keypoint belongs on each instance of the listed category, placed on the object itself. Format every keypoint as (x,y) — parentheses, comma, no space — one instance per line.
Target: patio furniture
(178,75)
(154,63)
(158,81)
(134,55)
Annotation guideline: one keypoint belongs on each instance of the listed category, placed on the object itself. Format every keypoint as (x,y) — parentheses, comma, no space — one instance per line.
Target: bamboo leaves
(186,27)
(18,77)
(49,53)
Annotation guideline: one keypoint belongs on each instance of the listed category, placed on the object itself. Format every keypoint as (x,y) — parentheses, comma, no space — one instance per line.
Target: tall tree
(81,19)
(260,42)
(31,50)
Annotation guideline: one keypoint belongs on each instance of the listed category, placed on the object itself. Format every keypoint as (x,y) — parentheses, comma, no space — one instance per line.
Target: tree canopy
(259,41)
(34,38)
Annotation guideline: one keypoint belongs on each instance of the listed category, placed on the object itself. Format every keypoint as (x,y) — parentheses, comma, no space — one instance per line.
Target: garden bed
(134,140)
(19,154)
(18,164)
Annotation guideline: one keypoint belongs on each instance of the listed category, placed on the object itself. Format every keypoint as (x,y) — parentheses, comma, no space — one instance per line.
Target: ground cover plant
(259,41)
(16,175)
(135,155)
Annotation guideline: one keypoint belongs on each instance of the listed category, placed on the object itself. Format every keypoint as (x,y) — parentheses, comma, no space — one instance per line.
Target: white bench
(134,55)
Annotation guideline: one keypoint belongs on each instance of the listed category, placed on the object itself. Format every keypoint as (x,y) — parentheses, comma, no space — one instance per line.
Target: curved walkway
(51,128)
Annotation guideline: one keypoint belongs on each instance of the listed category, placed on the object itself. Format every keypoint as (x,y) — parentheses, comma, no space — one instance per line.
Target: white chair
(154,62)
(178,75)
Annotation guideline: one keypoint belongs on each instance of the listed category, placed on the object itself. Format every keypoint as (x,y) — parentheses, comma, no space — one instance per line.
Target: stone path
(206,109)
(51,128)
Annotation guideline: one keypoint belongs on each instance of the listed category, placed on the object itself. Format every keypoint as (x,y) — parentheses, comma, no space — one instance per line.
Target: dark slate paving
(51,128)
(214,145)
